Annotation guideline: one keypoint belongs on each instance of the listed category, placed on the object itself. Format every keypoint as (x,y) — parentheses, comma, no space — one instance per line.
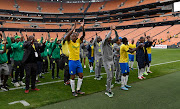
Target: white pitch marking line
(25,103)
(84,76)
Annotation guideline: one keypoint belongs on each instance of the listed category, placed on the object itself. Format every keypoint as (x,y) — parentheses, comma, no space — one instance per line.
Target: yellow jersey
(148,50)
(65,48)
(92,51)
(74,50)
(124,53)
(132,46)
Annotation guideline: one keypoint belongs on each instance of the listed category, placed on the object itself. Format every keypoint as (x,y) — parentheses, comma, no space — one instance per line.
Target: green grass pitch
(57,92)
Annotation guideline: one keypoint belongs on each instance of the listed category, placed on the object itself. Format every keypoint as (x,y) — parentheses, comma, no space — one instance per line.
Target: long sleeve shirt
(18,51)
(97,49)
(107,50)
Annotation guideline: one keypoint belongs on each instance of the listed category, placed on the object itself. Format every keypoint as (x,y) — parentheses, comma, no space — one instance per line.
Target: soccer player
(124,62)
(56,46)
(116,49)
(75,66)
(149,55)
(107,54)
(85,52)
(18,52)
(131,55)
(98,57)
(90,49)
(142,56)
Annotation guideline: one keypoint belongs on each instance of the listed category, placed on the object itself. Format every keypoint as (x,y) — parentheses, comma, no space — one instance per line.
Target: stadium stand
(7,4)
(50,7)
(66,10)
(30,6)
(95,7)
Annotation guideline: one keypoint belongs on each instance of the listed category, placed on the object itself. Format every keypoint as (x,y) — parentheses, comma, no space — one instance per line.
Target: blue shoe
(127,86)
(124,88)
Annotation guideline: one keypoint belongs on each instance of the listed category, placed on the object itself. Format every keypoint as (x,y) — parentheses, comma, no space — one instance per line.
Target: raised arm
(95,41)
(41,41)
(9,42)
(53,44)
(117,36)
(3,34)
(49,37)
(107,37)
(1,52)
(67,38)
(22,36)
(82,37)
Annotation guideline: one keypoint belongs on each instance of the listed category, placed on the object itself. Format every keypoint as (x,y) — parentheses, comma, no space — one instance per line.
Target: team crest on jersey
(71,72)
(75,46)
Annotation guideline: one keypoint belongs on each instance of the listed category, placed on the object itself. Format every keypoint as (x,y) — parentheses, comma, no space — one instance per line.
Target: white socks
(141,71)
(148,68)
(72,82)
(126,79)
(145,68)
(37,77)
(132,63)
(123,79)
(91,68)
(79,83)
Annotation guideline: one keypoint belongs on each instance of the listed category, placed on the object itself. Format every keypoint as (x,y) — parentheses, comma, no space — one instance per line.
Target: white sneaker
(21,83)
(139,77)
(118,82)
(16,84)
(109,94)
(97,78)
(84,66)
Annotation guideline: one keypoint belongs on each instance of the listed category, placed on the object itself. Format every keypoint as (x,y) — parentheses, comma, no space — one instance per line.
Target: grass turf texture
(56,92)
(155,93)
